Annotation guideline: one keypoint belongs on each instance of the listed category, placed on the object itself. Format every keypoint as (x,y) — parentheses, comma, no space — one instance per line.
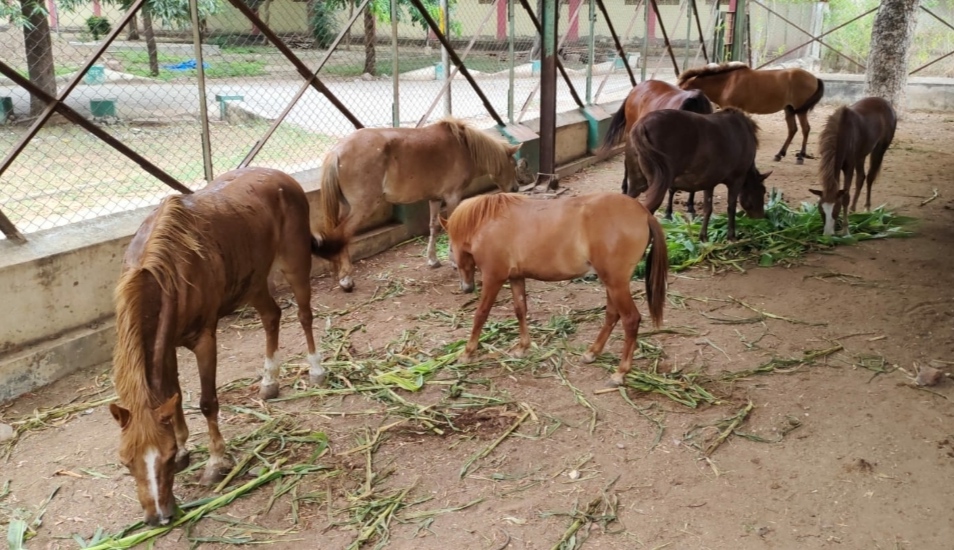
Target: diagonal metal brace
(453,55)
(619,45)
(303,70)
(814,38)
(559,64)
(87,125)
(662,27)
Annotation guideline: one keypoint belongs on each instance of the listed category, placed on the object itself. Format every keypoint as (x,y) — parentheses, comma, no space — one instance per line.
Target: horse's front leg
(518,287)
(451,203)
(488,295)
(706,214)
(672,195)
(435,227)
(691,204)
(806,128)
(271,316)
(219,463)
(792,128)
(733,199)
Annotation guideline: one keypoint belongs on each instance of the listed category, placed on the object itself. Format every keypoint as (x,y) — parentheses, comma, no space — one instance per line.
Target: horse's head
(512,173)
(148,449)
(829,208)
(752,197)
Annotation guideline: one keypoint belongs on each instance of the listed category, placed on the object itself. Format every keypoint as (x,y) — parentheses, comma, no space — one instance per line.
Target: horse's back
(879,113)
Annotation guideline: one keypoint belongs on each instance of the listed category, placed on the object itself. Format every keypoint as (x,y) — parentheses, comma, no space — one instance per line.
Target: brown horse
(692,152)
(404,165)
(796,91)
(851,134)
(513,237)
(644,98)
(195,259)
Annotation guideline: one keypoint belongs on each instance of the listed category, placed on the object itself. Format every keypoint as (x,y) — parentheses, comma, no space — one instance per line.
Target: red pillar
(574,31)
(98,9)
(54,19)
(652,20)
(502,19)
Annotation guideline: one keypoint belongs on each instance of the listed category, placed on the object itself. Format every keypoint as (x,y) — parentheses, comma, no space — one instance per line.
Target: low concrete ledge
(921,93)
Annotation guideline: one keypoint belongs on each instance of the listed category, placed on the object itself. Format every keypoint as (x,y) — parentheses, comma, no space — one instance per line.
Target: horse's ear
(120,414)
(815,192)
(765,176)
(512,150)
(167,410)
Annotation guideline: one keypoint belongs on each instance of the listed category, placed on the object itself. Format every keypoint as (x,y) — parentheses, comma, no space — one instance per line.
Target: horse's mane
(169,245)
(473,212)
(710,70)
(488,153)
(831,156)
(749,121)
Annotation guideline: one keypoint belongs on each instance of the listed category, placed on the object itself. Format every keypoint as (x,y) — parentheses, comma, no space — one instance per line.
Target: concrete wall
(922,93)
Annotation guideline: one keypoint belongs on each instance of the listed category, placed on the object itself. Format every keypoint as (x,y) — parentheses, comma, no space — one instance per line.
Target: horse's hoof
(519,353)
(588,357)
(346,284)
(799,160)
(778,158)
(268,391)
(433,264)
(318,378)
(214,476)
(182,461)
(465,358)
(615,381)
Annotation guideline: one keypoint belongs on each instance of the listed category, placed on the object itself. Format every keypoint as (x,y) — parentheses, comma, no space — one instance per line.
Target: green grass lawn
(137,63)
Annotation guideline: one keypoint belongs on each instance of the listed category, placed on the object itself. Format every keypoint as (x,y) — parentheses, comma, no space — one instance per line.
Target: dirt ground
(857,457)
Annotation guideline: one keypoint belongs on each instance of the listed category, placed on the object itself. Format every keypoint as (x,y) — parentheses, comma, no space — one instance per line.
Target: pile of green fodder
(782,236)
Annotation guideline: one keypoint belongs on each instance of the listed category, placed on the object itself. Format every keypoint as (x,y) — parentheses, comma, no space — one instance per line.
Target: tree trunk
(369,35)
(891,36)
(39,52)
(151,48)
(132,31)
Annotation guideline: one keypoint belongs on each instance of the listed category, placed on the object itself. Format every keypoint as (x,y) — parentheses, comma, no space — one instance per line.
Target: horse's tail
(812,99)
(332,239)
(615,131)
(652,162)
(657,269)
(835,145)
(697,102)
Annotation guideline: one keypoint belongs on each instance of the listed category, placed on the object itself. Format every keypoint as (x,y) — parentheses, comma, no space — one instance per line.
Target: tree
(891,36)
(32,17)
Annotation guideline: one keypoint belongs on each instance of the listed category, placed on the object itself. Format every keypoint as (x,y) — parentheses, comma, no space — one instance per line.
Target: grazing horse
(851,134)
(514,237)
(404,165)
(195,259)
(796,91)
(693,152)
(646,97)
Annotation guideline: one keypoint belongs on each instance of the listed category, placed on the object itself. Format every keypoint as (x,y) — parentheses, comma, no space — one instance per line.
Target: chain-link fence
(163,112)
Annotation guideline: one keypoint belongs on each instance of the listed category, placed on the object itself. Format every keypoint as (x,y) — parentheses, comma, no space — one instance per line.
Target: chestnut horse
(195,259)
(512,237)
(401,166)
(851,134)
(693,152)
(644,98)
(796,91)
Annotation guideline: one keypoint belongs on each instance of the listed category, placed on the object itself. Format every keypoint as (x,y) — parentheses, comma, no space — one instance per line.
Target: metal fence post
(513,61)
(590,53)
(548,75)
(445,60)
(203,106)
(395,68)
(645,52)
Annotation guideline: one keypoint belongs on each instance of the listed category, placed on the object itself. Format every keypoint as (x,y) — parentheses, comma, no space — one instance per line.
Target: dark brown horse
(851,134)
(512,237)
(401,166)
(195,259)
(693,152)
(796,91)
(644,98)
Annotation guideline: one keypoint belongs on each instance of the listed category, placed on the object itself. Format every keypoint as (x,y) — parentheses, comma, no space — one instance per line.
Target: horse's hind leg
(806,128)
(706,214)
(859,183)
(672,195)
(435,227)
(691,204)
(792,128)
(876,157)
(612,317)
(619,293)
(271,316)
(219,464)
(300,282)
(518,287)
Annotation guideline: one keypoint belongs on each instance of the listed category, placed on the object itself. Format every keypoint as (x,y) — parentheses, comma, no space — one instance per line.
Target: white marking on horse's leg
(316,372)
(828,207)
(151,458)
(270,377)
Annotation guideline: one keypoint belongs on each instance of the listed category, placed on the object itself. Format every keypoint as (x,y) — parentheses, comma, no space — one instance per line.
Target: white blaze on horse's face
(151,459)
(828,208)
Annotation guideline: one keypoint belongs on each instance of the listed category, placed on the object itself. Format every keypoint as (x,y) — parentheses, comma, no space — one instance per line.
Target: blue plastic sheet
(185,66)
